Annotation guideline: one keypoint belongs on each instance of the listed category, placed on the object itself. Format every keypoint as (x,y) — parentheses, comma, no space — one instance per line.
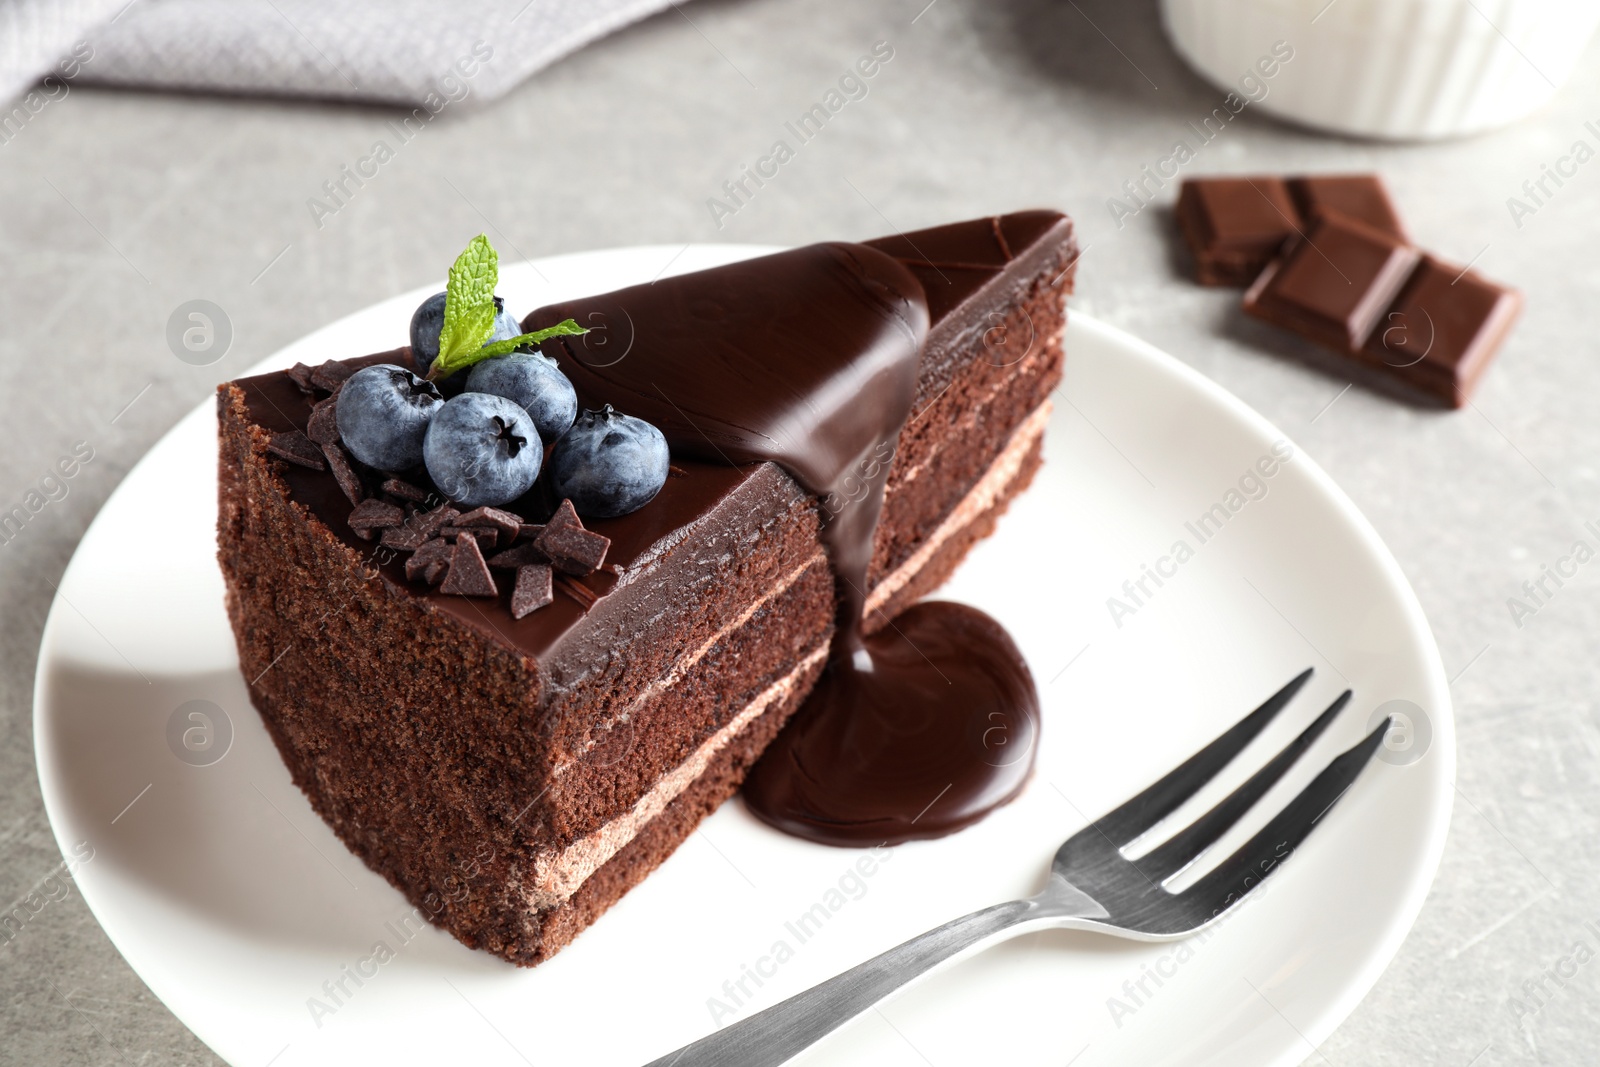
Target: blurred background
(158,154)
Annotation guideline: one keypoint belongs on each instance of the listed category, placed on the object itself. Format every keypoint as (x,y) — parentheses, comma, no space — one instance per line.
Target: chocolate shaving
(529,531)
(484,534)
(405,490)
(571,548)
(532,591)
(297,448)
(323,427)
(300,374)
(521,555)
(566,516)
(508,523)
(676,472)
(349,481)
(429,523)
(469,574)
(586,597)
(405,538)
(1000,238)
(430,560)
(420,527)
(331,375)
(371,515)
(438,548)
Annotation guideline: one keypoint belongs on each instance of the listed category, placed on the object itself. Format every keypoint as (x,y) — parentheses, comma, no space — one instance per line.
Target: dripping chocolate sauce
(810,359)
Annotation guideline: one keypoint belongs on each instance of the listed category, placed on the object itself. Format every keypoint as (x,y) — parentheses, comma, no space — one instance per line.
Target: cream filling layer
(979,499)
(684,663)
(971,414)
(558,873)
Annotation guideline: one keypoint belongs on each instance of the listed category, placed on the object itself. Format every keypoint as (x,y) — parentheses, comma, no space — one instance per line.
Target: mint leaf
(565,328)
(469,306)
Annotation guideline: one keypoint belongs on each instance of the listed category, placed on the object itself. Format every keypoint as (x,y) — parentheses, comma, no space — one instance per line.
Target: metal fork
(1092,886)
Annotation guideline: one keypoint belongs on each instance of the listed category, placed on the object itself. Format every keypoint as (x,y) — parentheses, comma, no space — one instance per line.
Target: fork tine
(1184,847)
(1261,855)
(1162,799)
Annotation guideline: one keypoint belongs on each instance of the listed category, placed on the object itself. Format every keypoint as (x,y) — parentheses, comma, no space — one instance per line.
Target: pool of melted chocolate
(927,728)
(809,358)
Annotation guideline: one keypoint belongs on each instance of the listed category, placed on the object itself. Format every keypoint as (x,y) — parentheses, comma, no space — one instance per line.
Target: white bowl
(1396,69)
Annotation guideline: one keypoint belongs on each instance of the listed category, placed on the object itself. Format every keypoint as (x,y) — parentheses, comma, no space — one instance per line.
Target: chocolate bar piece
(1444,329)
(1417,325)
(1334,283)
(1359,196)
(1235,226)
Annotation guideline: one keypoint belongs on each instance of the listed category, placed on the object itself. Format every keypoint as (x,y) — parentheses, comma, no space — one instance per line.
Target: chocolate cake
(516,760)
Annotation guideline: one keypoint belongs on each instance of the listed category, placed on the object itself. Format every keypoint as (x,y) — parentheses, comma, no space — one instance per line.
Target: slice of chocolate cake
(515,715)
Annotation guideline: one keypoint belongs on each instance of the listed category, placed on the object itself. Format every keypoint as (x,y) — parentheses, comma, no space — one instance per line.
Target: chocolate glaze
(810,359)
(807,358)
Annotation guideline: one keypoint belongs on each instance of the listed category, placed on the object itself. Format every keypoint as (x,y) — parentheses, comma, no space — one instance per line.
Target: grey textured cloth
(401,51)
(37,36)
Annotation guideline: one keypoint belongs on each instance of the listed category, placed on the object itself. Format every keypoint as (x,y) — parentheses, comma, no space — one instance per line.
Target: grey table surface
(118,207)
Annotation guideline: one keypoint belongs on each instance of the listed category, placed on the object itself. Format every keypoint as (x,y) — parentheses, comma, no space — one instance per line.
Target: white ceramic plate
(246,916)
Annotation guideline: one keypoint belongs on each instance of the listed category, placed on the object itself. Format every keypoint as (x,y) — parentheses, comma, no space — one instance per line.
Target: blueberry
(609,464)
(533,382)
(482,450)
(383,415)
(428,320)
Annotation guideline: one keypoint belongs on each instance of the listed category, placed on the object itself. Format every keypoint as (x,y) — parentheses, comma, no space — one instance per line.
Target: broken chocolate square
(1234,226)
(532,591)
(1442,331)
(1401,319)
(571,548)
(297,448)
(1333,284)
(1358,196)
(469,574)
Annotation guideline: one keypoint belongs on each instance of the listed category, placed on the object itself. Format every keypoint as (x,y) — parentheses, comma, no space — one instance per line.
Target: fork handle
(774,1035)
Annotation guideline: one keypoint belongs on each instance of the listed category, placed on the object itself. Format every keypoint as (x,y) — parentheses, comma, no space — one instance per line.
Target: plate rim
(1402,913)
